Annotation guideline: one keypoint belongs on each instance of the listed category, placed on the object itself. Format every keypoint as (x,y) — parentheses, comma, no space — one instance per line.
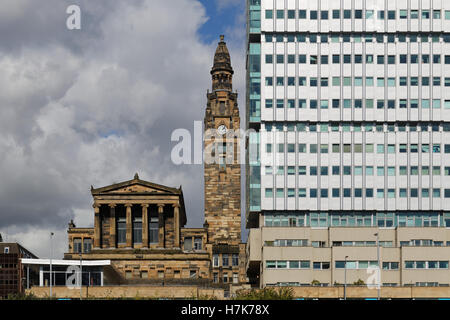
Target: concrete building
(351,115)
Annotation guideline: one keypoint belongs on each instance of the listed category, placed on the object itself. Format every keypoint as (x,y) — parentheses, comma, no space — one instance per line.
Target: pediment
(139,188)
(136,186)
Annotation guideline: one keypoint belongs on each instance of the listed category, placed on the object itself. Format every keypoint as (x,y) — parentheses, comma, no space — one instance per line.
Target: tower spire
(222,72)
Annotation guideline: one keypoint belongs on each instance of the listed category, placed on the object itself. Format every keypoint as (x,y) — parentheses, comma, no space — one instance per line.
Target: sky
(94,106)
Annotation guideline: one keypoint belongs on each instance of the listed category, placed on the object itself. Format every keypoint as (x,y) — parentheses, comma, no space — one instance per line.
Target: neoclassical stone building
(139,225)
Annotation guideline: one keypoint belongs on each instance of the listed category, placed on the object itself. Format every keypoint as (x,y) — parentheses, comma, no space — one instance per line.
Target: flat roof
(91,263)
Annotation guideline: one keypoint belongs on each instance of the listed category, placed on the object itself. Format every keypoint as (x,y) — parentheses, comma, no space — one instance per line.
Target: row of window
(381,171)
(426,264)
(226,260)
(423,243)
(357,59)
(365,264)
(357,103)
(385,244)
(379,82)
(321,244)
(82,245)
(356,127)
(356,192)
(357,37)
(296,264)
(358,148)
(358,219)
(226,278)
(402,14)
(192,243)
(384,284)
(8,266)
(153,230)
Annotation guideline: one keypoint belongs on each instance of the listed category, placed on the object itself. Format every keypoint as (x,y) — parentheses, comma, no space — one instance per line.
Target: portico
(137,214)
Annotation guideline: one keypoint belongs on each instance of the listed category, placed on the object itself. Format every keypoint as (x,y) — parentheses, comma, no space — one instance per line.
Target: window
(291,14)
(336,14)
(197,243)
(280,81)
(321,265)
(235,259)
(121,230)
(137,229)
(76,246)
(302,14)
(154,230)
(225,260)
(280,14)
(291,58)
(403,14)
(280,58)
(215,260)
(87,245)
(347,14)
(188,244)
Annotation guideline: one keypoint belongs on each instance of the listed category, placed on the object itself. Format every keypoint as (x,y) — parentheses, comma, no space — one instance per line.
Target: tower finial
(136,176)
(222,37)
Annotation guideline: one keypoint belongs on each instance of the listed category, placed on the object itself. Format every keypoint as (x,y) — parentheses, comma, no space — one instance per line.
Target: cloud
(94,106)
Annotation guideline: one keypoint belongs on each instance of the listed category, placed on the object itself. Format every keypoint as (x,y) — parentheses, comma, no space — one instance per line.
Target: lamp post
(379,268)
(345,278)
(51,255)
(81,277)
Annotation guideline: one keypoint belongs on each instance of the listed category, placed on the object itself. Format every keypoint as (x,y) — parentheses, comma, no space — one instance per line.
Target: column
(161,225)
(144,225)
(129,226)
(97,226)
(176,217)
(112,225)
(41,276)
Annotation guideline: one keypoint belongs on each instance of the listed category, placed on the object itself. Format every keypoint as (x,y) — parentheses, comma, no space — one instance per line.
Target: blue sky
(223,16)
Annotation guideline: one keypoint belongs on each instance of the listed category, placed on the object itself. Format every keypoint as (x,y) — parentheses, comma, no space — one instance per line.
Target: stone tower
(223,172)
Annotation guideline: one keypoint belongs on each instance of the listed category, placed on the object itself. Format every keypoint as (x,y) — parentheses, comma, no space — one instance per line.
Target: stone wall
(148,292)
(354,292)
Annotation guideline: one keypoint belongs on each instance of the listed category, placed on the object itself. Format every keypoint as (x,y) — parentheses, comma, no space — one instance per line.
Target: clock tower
(222,172)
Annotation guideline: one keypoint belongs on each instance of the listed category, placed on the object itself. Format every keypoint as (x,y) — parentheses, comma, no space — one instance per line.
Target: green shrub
(281,293)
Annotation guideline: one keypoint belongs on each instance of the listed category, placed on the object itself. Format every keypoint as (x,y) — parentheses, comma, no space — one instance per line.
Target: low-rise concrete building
(302,256)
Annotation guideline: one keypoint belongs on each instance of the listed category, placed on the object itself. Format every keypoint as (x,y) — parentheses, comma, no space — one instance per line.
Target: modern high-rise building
(350,106)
